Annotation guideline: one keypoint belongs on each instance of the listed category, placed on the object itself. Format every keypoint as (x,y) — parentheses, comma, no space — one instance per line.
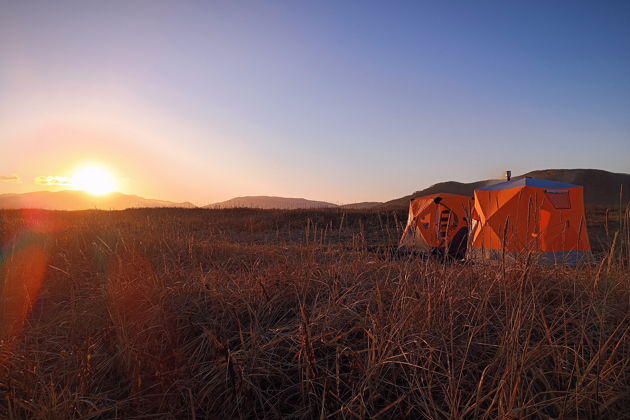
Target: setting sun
(94,180)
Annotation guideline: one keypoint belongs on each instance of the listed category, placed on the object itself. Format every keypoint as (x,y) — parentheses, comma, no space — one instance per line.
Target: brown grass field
(172,313)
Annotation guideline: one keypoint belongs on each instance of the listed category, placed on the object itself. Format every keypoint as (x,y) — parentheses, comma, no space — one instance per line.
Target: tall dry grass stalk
(245,314)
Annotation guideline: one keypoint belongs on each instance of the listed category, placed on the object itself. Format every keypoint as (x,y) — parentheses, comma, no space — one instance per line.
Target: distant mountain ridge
(601,188)
(269,202)
(80,200)
(361,206)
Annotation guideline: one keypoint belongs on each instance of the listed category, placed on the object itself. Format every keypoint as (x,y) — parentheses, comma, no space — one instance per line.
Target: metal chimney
(508,175)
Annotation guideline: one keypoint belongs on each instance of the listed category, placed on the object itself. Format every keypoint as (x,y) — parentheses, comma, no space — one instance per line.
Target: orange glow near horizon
(94,180)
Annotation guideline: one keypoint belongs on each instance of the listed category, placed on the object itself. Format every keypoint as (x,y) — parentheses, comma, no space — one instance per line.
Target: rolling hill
(365,205)
(601,188)
(80,200)
(265,202)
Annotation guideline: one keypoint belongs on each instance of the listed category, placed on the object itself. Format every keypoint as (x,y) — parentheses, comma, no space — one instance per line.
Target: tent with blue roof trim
(528,217)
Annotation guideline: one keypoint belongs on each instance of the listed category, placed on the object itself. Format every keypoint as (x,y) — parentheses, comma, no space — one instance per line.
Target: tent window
(424,222)
(559,198)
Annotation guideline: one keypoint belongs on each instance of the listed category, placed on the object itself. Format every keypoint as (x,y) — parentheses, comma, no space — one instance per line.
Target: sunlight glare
(94,180)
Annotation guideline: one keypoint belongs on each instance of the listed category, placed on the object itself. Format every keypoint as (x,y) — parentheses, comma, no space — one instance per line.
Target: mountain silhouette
(81,200)
(601,188)
(266,202)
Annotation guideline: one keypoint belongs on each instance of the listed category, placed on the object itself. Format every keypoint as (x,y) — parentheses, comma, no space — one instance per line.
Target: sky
(342,101)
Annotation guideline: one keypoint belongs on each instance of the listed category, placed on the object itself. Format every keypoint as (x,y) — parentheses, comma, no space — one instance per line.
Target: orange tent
(438,222)
(530,216)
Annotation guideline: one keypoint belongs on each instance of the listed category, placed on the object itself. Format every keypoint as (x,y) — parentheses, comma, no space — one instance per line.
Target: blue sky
(339,101)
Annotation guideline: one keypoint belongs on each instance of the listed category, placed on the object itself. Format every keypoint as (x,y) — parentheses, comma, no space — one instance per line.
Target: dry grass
(244,313)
